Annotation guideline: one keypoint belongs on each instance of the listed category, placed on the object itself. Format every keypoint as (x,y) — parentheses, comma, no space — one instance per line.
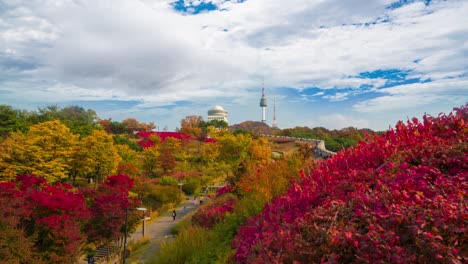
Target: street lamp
(144,218)
(180,186)
(126,229)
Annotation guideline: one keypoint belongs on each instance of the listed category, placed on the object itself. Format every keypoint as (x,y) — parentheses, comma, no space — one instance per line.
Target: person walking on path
(173,215)
(158,231)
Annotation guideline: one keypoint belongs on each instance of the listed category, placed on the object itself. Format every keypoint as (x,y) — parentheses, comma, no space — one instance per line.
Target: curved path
(159,229)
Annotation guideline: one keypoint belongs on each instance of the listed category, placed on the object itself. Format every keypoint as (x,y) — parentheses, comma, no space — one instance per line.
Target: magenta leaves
(50,219)
(398,198)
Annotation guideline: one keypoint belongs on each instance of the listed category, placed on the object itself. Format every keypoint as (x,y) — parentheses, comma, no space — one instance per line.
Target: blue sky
(331,63)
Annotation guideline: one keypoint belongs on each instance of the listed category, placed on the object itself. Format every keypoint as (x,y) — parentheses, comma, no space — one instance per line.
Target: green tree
(79,120)
(12,120)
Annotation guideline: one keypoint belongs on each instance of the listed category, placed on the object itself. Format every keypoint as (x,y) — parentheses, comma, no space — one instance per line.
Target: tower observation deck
(263,105)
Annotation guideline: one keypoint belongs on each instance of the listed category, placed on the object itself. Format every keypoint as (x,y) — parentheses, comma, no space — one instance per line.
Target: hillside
(397,198)
(335,140)
(256,127)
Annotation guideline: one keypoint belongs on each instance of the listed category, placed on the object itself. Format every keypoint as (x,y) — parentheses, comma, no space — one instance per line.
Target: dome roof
(217,110)
(217,107)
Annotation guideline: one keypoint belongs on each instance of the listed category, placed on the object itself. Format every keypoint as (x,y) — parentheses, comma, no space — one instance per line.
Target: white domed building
(217,113)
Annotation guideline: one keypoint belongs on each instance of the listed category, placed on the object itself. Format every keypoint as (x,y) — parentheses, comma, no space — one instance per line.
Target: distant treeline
(83,122)
(79,120)
(335,140)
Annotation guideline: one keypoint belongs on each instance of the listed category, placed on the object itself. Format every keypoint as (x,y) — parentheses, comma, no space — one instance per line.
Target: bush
(191,186)
(155,196)
(210,214)
(397,198)
(168,180)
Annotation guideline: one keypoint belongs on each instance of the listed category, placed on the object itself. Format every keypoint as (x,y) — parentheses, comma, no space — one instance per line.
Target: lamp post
(126,229)
(144,218)
(180,186)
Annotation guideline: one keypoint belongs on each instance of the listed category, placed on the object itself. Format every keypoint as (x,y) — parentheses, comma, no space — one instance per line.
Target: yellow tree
(80,163)
(259,151)
(127,165)
(149,160)
(209,152)
(12,153)
(266,181)
(233,150)
(101,155)
(44,151)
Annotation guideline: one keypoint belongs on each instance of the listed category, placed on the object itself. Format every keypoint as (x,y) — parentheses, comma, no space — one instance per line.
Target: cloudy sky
(331,63)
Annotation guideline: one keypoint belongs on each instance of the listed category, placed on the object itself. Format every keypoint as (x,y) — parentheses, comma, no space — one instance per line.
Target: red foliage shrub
(146,142)
(210,214)
(223,190)
(49,219)
(108,205)
(397,198)
(44,223)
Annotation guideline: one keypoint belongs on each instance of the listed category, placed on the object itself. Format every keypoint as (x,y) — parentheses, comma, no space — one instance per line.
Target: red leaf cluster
(107,205)
(210,214)
(53,214)
(223,190)
(397,198)
(53,221)
(146,142)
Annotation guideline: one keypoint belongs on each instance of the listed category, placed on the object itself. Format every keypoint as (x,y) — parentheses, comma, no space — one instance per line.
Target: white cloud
(339,121)
(336,97)
(454,93)
(145,51)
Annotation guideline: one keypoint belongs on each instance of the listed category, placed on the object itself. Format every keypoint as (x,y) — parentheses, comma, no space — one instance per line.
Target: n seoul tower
(263,104)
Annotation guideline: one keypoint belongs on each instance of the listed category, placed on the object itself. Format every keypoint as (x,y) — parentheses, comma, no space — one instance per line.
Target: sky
(328,63)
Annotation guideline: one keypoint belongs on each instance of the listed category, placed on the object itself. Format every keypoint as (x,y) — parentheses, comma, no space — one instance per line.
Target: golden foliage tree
(259,151)
(100,154)
(149,160)
(45,151)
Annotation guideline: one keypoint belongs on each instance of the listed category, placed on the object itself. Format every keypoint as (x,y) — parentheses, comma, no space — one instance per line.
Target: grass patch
(137,248)
(184,247)
(182,224)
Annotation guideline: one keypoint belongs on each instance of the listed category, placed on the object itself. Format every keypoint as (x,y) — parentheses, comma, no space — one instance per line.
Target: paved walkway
(159,229)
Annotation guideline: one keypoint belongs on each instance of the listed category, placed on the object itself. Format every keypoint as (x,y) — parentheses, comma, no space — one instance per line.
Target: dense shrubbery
(50,223)
(397,198)
(192,185)
(211,214)
(155,196)
(168,180)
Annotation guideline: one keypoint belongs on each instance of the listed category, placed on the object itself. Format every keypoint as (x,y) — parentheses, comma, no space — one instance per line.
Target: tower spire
(274,125)
(263,102)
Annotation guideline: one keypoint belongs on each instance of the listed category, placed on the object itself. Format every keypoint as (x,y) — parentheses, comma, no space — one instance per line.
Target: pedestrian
(201,199)
(173,215)
(184,210)
(91,259)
